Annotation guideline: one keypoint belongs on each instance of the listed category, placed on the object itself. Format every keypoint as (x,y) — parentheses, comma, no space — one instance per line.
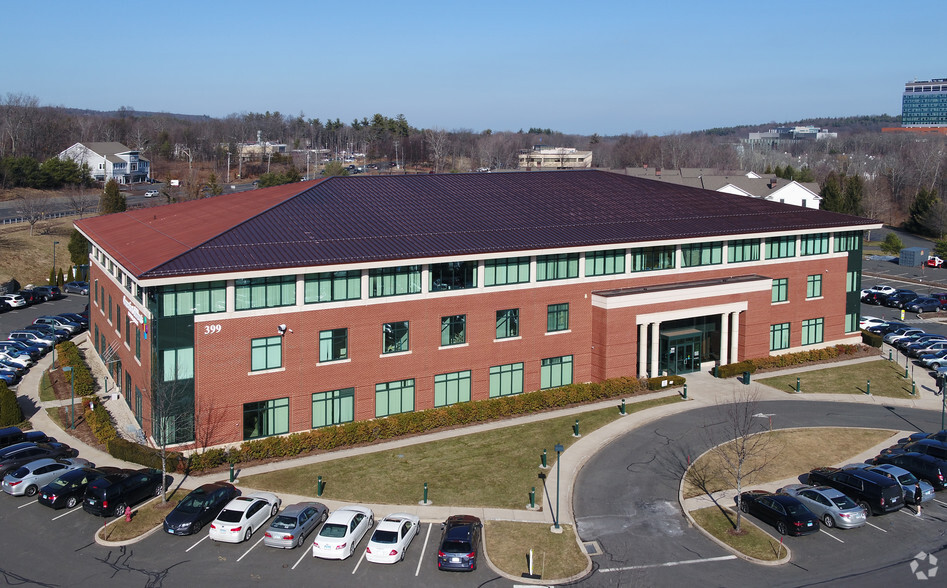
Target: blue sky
(607,67)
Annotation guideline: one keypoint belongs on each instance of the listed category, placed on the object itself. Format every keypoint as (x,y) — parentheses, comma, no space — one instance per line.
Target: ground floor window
(555,372)
(851,323)
(262,419)
(812,331)
(138,405)
(779,336)
(333,408)
(451,388)
(506,379)
(394,397)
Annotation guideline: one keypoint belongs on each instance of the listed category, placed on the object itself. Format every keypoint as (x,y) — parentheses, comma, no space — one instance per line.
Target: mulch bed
(62,388)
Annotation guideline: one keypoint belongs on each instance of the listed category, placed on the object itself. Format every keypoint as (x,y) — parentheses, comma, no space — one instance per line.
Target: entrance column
(734,336)
(724,337)
(642,350)
(655,329)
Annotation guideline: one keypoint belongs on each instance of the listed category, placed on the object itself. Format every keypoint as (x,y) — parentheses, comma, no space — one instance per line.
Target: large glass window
(269,417)
(266,353)
(394,281)
(602,263)
(781,290)
(394,397)
(780,247)
(508,323)
(851,323)
(453,329)
(646,259)
(178,364)
(779,336)
(555,372)
(451,388)
(697,254)
(506,379)
(812,331)
(511,270)
(333,286)
(333,344)
(847,241)
(454,275)
(557,267)
(137,341)
(743,250)
(333,408)
(853,281)
(557,317)
(815,244)
(264,292)
(814,286)
(395,337)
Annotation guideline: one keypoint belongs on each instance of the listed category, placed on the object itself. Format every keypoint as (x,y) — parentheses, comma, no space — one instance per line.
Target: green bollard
(544,459)
(868,389)
(905,372)
(425,493)
(575,428)
(889,355)
(231,473)
(685,391)
(798,387)
(320,485)
(621,409)
(913,387)
(532,497)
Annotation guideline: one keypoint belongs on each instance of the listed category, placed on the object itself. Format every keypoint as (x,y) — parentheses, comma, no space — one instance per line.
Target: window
(602,263)
(454,275)
(815,244)
(178,364)
(743,250)
(128,330)
(118,319)
(697,254)
(506,379)
(511,270)
(451,388)
(97,293)
(266,353)
(781,290)
(779,336)
(851,323)
(555,372)
(557,317)
(138,342)
(780,247)
(395,337)
(394,397)
(333,344)
(814,286)
(847,241)
(264,292)
(186,299)
(333,408)
(646,259)
(453,330)
(508,323)
(557,267)
(853,281)
(269,417)
(812,331)
(333,286)
(110,308)
(393,281)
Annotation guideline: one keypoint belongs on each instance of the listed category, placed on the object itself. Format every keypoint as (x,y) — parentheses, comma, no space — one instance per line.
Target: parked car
(49,292)
(928,359)
(27,479)
(48,332)
(34,351)
(934,261)
(879,289)
(16,358)
(67,490)
(82,321)
(902,343)
(32,338)
(869,321)
(888,327)
(242,516)
(391,538)
(76,288)
(925,345)
(31,297)
(199,507)
(893,336)
(151,193)
(109,495)
(13,300)
(906,480)
(58,322)
(342,531)
(876,298)
(938,436)
(931,447)
(875,493)
(291,527)
(9,377)
(14,456)
(460,543)
(832,507)
(924,467)
(899,298)
(923,304)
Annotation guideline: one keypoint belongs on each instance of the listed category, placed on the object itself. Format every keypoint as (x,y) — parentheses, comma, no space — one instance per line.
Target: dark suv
(872,491)
(48,293)
(460,541)
(924,467)
(109,495)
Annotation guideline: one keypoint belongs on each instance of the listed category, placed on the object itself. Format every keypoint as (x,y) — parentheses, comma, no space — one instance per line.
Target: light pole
(72,394)
(54,259)
(559,449)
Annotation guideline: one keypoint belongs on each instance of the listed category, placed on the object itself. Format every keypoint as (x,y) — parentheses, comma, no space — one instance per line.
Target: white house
(110,160)
(749,184)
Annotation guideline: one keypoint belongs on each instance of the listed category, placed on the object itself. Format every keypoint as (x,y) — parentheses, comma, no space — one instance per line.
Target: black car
(48,293)
(938,436)
(924,467)
(900,298)
(885,328)
(874,298)
(931,447)
(109,495)
(20,454)
(68,489)
(460,542)
(199,507)
(870,490)
(30,296)
(786,513)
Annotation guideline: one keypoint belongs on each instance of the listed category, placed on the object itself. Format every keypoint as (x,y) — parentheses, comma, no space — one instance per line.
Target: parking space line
(668,564)
(306,551)
(198,543)
(359,562)
(831,535)
(423,549)
(251,549)
(939,502)
(68,512)
(27,504)
(875,526)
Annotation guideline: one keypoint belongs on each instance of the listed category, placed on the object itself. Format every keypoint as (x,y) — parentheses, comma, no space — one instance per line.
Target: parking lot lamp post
(559,449)
(54,260)
(72,394)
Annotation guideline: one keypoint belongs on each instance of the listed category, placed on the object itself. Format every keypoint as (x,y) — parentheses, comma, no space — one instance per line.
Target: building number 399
(211,329)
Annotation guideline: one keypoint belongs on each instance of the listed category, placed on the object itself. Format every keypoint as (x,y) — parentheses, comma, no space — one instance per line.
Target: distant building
(555,158)
(923,108)
(782,134)
(109,161)
(805,194)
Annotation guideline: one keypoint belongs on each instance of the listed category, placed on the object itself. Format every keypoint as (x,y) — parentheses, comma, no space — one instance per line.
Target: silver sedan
(831,506)
(28,479)
(291,527)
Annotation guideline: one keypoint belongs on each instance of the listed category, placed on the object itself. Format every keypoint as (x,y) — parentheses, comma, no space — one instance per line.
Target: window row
(812,333)
(813,288)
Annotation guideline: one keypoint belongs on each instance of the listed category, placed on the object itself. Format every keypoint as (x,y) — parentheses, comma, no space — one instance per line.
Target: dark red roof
(371,218)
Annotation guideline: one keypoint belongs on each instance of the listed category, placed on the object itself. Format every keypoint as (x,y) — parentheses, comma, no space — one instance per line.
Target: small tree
(78,249)
(171,417)
(892,245)
(335,168)
(112,199)
(10,412)
(214,185)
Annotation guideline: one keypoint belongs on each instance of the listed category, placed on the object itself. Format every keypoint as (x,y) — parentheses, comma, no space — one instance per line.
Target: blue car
(924,304)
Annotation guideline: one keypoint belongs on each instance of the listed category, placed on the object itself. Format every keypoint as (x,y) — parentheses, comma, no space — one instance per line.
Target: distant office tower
(925,104)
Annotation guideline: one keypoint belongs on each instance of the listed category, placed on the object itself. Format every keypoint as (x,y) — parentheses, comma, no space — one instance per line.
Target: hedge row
(10,412)
(140,454)
(788,360)
(872,339)
(69,355)
(100,421)
(397,425)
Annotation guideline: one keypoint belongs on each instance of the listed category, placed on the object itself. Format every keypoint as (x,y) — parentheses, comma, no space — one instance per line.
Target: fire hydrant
(128,514)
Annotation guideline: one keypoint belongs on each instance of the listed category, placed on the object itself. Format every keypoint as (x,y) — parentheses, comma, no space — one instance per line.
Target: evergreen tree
(10,412)
(924,204)
(59,278)
(778,171)
(112,199)
(78,249)
(214,185)
(788,172)
(831,193)
(768,169)
(805,175)
(892,245)
(852,199)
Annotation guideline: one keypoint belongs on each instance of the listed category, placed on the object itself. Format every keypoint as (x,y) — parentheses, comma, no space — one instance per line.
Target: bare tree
(34,209)
(83,202)
(172,414)
(440,143)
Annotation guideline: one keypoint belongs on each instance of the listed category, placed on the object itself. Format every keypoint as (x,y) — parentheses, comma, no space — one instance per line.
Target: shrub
(69,355)
(10,412)
(872,339)
(126,450)
(662,382)
(100,421)
(786,360)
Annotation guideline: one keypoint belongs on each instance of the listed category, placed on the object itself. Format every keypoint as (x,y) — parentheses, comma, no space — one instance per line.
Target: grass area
(790,453)
(144,519)
(555,556)
(752,541)
(46,391)
(490,469)
(54,415)
(28,258)
(886,377)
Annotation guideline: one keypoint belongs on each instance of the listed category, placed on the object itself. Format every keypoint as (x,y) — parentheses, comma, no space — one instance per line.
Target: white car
(13,300)
(391,538)
(151,193)
(870,321)
(22,360)
(880,290)
(342,531)
(242,516)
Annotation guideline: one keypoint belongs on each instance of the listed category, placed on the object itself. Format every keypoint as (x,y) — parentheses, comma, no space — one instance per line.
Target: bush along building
(352,298)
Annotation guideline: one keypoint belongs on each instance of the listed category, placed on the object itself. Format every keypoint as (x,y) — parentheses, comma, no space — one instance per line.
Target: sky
(598,66)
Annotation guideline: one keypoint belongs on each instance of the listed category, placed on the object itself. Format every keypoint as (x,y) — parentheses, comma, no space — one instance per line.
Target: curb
(142,537)
(541,581)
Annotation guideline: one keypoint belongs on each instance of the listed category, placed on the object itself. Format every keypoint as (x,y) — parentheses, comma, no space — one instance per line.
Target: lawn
(555,556)
(886,377)
(490,469)
(753,541)
(28,258)
(144,518)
